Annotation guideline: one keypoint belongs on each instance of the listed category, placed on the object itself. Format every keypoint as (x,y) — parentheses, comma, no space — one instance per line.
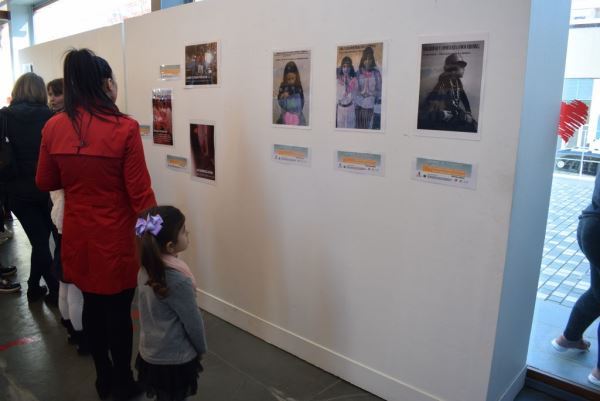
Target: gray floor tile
(266,364)
(343,391)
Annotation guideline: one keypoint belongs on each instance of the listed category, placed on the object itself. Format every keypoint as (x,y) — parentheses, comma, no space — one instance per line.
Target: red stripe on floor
(135,314)
(20,341)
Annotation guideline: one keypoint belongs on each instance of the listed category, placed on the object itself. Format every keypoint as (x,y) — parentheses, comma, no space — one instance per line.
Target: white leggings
(70,304)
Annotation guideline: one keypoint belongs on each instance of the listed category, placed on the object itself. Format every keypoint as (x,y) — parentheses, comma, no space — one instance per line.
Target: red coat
(106,185)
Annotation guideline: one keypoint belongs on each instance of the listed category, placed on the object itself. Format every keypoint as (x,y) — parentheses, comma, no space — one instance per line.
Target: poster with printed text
(360,79)
(291,154)
(177,162)
(144,130)
(445,172)
(169,72)
(291,88)
(201,64)
(202,145)
(359,163)
(450,91)
(162,120)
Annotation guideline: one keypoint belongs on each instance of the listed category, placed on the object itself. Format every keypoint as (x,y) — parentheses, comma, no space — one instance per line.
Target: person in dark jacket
(587,308)
(26,116)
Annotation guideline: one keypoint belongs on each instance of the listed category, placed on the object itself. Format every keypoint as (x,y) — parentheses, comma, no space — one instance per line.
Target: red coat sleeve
(47,177)
(137,178)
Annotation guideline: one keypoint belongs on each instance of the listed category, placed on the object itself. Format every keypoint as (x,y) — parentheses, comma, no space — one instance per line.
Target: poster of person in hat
(291,88)
(451,85)
(201,64)
(359,94)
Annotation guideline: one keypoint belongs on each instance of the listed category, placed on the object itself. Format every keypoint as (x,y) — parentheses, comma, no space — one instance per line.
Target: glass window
(578,88)
(69,17)
(6,78)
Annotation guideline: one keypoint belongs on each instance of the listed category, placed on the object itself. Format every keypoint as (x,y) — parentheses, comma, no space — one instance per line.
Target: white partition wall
(396,285)
(106,42)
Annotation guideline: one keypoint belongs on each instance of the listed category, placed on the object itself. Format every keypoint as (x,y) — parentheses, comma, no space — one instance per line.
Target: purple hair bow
(151,224)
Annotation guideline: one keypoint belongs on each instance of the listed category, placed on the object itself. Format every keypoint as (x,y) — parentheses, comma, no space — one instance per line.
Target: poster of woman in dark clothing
(451,83)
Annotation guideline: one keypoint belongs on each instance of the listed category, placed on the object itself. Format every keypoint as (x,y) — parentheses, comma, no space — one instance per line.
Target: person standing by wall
(94,152)
(70,298)
(587,307)
(25,118)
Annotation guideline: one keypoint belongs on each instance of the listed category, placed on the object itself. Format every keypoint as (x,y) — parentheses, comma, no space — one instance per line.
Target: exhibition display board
(305,143)
(47,58)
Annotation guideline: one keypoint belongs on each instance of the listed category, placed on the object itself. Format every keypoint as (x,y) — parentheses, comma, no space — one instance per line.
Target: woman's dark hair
(367,53)
(56,85)
(151,246)
(84,85)
(291,68)
(346,60)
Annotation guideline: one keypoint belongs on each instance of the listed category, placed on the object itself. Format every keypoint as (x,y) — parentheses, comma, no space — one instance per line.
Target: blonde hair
(29,88)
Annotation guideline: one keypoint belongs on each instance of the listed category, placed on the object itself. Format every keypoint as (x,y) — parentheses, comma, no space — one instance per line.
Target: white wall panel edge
(372,380)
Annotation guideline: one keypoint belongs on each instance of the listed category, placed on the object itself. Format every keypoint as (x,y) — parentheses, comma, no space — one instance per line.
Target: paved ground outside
(564,276)
(565,272)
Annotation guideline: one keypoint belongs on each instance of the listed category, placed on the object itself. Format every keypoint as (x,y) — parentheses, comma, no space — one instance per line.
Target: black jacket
(24,130)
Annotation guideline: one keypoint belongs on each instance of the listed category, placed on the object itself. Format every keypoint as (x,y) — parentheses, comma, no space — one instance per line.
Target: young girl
(347,86)
(172,339)
(368,99)
(70,298)
(291,97)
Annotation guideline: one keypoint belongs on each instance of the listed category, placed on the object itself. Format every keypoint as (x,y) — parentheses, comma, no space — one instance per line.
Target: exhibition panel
(311,199)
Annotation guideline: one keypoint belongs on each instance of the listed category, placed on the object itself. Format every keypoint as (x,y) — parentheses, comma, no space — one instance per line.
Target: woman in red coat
(94,152)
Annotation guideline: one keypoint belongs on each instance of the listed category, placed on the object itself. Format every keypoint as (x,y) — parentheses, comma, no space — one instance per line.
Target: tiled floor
(565,272)
(36,363)
(564,276)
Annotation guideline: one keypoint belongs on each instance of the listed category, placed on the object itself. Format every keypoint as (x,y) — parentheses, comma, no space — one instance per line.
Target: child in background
(291,97)
(70,298)
(172,339)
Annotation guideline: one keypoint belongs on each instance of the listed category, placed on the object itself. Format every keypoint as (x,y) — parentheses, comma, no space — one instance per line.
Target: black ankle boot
(70,330)
(82,344)
(36,292)
(103,388)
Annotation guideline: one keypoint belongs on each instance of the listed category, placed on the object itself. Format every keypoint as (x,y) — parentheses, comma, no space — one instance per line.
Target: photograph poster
(359,163)
(201,66)
(445,172)
(202,145)
(291,154)
(450,88)
(291,88)
(359,80)
(162,121)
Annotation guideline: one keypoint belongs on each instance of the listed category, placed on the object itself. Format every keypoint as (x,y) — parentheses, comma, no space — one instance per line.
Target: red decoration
(572,116)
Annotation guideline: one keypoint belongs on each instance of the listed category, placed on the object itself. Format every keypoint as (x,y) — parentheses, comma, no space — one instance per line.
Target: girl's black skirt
(169,382)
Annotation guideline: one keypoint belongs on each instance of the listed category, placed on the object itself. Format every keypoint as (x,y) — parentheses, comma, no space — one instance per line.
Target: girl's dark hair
(56,85)
(368,52)
(291,68)
(153,246)
(346,60)
(84,85)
